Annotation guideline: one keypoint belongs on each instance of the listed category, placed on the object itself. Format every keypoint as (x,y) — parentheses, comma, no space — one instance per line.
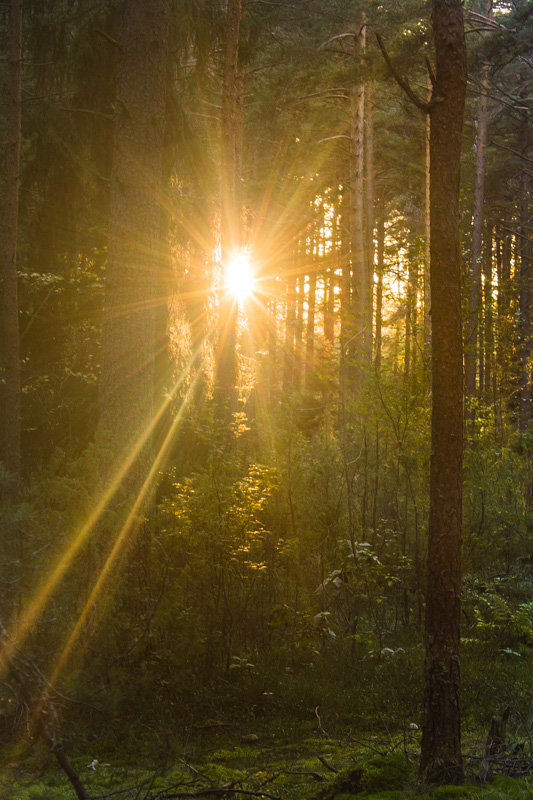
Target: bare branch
(402,82)
(108,38)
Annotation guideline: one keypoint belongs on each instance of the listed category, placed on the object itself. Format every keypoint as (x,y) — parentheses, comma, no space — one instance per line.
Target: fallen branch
(35,697)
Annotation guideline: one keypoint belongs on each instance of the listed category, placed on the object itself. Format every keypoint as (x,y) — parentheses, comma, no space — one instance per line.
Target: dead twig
(327,764)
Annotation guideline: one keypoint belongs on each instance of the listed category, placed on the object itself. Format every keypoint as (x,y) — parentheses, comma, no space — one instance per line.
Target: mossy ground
(295,769)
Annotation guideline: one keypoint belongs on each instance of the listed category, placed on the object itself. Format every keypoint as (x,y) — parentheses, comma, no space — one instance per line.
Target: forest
(266,449)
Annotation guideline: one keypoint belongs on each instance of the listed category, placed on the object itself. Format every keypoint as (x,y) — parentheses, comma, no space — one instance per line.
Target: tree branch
(402,82)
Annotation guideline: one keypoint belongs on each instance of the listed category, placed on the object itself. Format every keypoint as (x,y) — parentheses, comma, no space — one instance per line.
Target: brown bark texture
(441,740)
(472,326)
(355,344)
(10,312)
(230,232)
(369,222)
(526,273)
(128,336)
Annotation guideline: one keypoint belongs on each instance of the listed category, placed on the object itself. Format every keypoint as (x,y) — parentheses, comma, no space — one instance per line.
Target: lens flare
(240,279)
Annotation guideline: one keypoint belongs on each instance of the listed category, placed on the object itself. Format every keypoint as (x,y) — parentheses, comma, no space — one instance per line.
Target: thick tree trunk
(10,310)
(441,740)
(127,364)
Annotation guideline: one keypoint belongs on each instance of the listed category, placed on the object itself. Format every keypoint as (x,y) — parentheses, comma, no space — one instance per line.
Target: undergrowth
(314,768)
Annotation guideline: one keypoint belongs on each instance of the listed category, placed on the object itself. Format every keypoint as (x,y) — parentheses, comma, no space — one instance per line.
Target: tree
(231,126)
(127,363)
(441,740)
(474,299)
(10,305)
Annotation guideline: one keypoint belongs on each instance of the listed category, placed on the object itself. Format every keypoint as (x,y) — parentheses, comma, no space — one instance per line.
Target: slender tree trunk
(230,234)
(346,309)
(410,318)
(299,324)
(427,238)
(10,311)
(380,233)
(504,313)
(310,332)
(369,223)
(328,309)
(472,338)
(127,364)
(290,326)
(231,135)
(357,219)
(441,759)
(526,273)
(488,331)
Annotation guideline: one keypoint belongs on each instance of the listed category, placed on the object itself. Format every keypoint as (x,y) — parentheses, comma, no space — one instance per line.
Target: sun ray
(121,539)
(36,605)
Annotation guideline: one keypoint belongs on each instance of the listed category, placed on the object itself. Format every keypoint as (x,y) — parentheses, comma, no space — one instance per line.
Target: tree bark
(355,346)
(526,277)
(230,224)
(380,233)
(472,339)
(369,223)
(290,327)
(427,237)
(488,322)
(10,310)
(441,759)
(128,337)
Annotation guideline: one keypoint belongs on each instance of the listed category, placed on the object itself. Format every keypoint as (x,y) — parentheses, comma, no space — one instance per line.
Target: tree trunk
(127,364)
(504,312)
(290,328)
(230,223)
(355,347)
(441,759)
(10,310)
(310,332)
(380,233)
(488,330)
(526,278)
(472,338)
(427,237)
(369,223)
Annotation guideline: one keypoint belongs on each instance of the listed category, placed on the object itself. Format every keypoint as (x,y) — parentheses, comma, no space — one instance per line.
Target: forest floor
(224,762)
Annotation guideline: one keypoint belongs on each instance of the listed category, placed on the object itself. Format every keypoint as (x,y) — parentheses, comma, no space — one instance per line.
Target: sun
(240,279)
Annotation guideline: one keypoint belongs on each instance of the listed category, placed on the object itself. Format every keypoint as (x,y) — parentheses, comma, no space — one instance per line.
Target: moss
(376,775)
(389,772)
(504,787)
(453,792)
